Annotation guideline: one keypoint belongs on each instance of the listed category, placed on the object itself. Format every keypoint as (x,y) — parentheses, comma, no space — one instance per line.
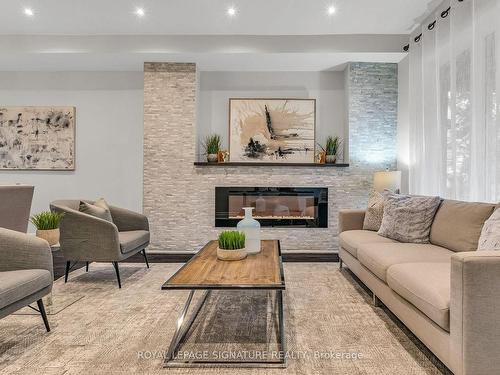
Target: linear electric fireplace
(273,206)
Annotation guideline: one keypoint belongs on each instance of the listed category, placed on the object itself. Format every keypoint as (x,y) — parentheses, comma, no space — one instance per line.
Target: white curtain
(454,100)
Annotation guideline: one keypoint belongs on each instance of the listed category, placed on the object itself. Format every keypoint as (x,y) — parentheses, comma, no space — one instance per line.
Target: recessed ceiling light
(231,11)
(331,10)
(29,12)
(139,12)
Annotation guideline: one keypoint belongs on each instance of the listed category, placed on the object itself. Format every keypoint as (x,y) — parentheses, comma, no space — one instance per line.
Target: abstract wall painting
(37,138)
(272,130)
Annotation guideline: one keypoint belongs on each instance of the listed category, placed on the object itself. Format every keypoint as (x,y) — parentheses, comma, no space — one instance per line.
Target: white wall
(403,122)
(215,89)
(109,134)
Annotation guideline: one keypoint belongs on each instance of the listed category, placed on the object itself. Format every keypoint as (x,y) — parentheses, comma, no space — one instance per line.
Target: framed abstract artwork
(37,138)
(272,130)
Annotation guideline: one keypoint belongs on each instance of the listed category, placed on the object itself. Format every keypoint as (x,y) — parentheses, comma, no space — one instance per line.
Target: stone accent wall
(373,113)
(179,198)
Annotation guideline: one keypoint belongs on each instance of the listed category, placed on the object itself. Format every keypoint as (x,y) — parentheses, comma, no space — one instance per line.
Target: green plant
(47,220)
(232,240)
(212,144)
(332,145)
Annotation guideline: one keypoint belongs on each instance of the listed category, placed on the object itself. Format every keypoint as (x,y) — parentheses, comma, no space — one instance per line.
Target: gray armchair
(15,206)
(90,239)
(26,273)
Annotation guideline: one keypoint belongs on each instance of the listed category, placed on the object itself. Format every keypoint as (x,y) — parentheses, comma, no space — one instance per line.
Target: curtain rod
(445,13)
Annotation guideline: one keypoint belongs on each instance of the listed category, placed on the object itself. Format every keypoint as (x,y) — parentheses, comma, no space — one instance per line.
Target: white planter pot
(212,158)
(331,159)
(231,254)
(50,235)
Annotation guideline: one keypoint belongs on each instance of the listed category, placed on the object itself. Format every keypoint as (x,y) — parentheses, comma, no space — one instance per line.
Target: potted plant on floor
(212,145)
(331,149)
(231,246)
(47,226)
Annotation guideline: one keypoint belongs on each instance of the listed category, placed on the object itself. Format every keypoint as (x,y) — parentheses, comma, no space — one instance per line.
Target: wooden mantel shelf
(245,164)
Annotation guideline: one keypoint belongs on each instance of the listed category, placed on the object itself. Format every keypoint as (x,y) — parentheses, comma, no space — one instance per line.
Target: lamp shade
(388,180)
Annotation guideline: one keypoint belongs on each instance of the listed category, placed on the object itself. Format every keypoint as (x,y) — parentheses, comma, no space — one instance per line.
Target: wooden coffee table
(204,272)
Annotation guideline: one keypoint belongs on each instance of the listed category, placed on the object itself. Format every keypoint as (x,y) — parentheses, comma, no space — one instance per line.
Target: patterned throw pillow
(374,211)
(490,234)
(408,218)
(99,209)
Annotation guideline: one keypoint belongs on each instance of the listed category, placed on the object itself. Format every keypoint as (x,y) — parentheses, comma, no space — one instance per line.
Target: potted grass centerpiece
(212,145)
(231,246)
(47,226)
(331,149)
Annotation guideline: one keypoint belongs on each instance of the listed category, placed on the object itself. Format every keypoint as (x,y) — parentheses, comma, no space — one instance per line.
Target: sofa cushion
(351,239)
(457,225)
(378,257)
(16,285)
(426,286)
(132,239)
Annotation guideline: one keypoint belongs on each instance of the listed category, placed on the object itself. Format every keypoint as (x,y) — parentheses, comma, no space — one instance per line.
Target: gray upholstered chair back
(15,206)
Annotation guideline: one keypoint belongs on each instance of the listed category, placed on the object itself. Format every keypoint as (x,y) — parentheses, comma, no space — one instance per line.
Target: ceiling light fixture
(331,10)
(139,12)
(29,12)
(231,11)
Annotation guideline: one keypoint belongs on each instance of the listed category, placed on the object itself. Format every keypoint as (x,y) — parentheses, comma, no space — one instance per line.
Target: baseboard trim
(164,257)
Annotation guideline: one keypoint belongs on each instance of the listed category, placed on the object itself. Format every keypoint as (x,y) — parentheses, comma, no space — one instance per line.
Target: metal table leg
(183,325)
(281,324)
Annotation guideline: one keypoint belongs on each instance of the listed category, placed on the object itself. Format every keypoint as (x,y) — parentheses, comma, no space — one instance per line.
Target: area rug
(331,327)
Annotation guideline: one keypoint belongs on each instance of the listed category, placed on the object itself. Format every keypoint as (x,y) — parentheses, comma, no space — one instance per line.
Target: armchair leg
(145,257)
(86,266)
(66,274)
(41,308)
(115,264)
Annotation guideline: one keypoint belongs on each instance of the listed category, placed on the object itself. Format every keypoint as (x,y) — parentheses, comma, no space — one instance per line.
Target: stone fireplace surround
(179,197)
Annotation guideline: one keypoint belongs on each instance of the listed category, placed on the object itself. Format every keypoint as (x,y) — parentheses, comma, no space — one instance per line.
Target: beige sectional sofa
(446,292)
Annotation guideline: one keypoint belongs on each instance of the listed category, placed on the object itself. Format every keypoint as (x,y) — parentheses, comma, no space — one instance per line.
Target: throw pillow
(408,218)
(99,209)
(490,234)
(102,203)
(374,211)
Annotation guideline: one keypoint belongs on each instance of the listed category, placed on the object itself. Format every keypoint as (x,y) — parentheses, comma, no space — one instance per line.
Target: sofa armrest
(475,312)
(21,251)
(351,220)
(128,220)
(88,238)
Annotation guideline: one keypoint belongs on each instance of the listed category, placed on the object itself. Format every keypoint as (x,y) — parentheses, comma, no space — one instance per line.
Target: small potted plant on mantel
(331,149)
(47,226)
(212,145)
(231,246)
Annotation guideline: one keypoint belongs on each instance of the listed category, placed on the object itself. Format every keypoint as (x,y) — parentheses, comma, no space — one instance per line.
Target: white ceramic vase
(251,228)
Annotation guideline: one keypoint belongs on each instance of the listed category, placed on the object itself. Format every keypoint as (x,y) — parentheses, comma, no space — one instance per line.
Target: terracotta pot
(50,235)
(231,254)
(330,159)
(212,158)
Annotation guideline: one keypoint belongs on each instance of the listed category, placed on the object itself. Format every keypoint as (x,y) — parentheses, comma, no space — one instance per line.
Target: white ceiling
(254,17)
(265,35)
